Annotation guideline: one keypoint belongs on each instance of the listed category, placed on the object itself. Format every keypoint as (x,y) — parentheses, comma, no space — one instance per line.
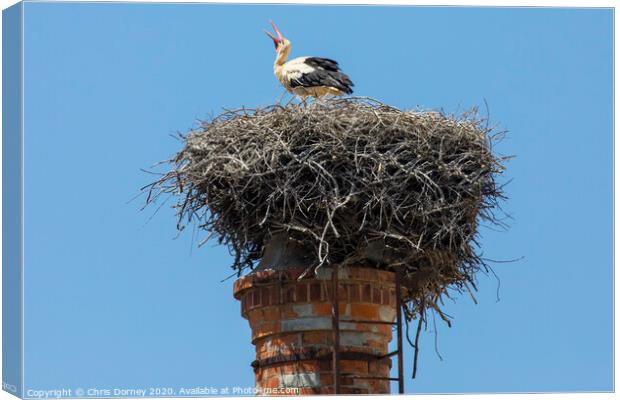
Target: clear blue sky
(114,301)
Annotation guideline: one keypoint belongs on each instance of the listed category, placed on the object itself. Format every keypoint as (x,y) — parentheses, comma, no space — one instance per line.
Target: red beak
(276,40)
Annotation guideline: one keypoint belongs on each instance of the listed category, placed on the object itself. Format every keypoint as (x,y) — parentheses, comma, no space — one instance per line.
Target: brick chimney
(292,329)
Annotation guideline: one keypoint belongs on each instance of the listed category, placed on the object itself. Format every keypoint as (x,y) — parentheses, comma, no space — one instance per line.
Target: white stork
(307,76)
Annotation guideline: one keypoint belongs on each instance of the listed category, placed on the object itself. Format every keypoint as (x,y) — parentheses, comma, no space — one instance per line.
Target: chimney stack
(293,322)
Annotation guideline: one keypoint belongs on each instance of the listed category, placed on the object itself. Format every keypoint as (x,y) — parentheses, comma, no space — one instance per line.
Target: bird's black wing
(325,63)
(325,73)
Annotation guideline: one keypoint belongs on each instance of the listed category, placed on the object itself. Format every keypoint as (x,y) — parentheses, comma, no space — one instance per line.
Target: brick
(270,313)
(271,383)
(237,288)
(364,311)
(367,293)
(317,338)
(284,341)
(248,299)
(291,368)
(301,293)
(244,305)
(347,380)
(347,311)
(325,364)
(326,378)
(267,328)
(315,292)
(264,295)
(387,313)
(327,289)
(255,298)
(354,366)
(274,295)
(361,339)
(342,292)
(378,344)
(358,349)
(377,386)
(300,380)
(376,295)
(348,326)
(381,368)
(354,293)
(288,295)
(262,345)
(255,319)
(385,294)
(363,274)
(381,329)
(322,309)
(353,339)
(325,309)
(288,312)
(304,310)
(306,324)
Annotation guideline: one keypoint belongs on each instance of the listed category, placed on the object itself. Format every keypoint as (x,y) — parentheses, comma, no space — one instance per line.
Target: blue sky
(114,299)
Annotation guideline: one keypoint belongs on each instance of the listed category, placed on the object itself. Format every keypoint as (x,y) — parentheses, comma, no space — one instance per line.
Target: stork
(307,76)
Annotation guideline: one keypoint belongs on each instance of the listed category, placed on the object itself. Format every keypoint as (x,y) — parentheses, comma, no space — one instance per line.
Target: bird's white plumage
(295,68)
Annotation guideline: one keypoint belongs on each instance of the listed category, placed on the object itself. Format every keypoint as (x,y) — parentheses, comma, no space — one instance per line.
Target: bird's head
(281,43)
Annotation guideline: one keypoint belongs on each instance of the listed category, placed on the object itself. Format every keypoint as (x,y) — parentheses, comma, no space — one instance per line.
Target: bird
(307,76)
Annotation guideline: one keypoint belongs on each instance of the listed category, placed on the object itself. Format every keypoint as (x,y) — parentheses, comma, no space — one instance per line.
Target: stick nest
(350,182)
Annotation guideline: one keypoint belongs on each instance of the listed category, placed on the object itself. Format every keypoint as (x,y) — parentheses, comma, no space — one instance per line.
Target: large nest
(344,181)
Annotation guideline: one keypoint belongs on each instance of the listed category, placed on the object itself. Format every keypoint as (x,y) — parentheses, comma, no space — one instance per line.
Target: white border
(476,3)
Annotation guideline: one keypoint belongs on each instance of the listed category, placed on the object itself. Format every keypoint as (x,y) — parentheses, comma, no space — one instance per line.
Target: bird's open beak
(276,40)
